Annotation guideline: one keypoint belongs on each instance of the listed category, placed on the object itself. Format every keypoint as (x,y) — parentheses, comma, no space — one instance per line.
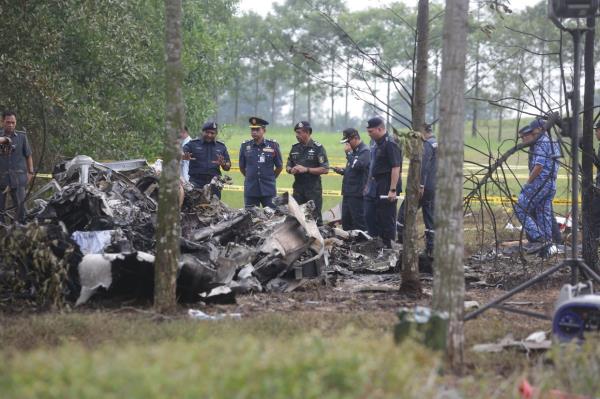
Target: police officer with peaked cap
(307,162)
(207,157)
(383,183)
(260,163)
(427,189)
(355,178)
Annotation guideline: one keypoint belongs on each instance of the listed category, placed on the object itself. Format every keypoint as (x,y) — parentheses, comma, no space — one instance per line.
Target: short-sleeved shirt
(356,171)
(545,153)
(13,160)
(259,161)
(311,155)
(204,155)
(184,171)
(385,155)
(429,163)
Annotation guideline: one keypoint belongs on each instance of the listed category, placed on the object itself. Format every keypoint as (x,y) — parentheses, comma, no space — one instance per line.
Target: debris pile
(91,234)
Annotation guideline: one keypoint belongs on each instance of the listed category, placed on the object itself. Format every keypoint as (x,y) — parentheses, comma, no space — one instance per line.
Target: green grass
(274,356)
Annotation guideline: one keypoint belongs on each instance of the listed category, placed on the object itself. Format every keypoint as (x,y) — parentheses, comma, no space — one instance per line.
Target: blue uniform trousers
(380,217)
(426,203)
(265,201)
(353,213)
(534,211)
(200,181)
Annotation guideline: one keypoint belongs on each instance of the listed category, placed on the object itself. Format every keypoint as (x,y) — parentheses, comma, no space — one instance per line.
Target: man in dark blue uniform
(307,162)
(355,178)
(596,202)
(260,163)
(16,165)
(207,156)
(383,183)
(427,189)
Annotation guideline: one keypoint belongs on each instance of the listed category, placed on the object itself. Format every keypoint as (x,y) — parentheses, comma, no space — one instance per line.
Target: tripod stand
(573,262)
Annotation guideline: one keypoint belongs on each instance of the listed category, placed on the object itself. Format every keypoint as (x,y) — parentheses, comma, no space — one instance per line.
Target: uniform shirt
(184,171)
(205,154)
(598,169)
(311,155)
(429,163)
(259,162)
(385,155)
(13,160)
(545,153)
(356,171)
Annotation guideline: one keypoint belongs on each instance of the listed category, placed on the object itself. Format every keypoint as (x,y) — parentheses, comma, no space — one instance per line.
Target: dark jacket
(356,171)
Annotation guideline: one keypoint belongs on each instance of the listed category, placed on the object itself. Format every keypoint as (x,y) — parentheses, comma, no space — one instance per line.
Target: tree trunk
(477,61)
(167,228)
(501,112)
(346,94)
(308,98)
(294,102)
(236,104)
(436,86)
(411,284)
(590,246)
(388,99)
(448,282)
(332,119)
(256,88)
(273,101)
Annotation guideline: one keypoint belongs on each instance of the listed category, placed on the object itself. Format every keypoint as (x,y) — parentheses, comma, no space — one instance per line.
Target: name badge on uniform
(268,149)
(261,159)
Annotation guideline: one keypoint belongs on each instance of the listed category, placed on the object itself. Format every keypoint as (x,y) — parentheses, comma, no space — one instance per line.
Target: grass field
(488,143)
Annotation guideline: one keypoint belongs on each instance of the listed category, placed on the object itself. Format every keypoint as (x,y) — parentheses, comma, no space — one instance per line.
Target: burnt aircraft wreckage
(90,236)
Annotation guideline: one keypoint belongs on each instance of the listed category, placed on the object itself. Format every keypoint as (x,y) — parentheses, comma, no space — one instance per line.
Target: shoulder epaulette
(317,143)
(247,141)
(219,141)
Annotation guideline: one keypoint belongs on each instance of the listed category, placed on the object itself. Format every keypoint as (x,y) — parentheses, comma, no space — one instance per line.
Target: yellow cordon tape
(338,193)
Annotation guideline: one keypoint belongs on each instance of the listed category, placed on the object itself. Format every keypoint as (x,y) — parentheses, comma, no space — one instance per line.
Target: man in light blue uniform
(534,206)
(207,156)
(260,163)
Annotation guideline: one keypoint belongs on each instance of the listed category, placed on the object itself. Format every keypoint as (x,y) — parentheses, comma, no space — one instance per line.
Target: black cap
(427,127)
(597,126)
(374,122)
(210,125)
(256,122)
(348,134)
(303,125)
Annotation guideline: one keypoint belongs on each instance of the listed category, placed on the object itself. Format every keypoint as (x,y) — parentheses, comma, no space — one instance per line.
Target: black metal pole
(576,33)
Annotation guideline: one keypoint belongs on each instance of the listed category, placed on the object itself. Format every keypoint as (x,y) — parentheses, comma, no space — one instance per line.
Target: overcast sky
(264,6)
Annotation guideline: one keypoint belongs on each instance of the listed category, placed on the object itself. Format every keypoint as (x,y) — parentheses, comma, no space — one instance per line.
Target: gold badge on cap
(253,121)
(300,125)
(214,125)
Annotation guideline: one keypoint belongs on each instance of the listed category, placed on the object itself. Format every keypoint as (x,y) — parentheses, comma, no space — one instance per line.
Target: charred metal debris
(90,236)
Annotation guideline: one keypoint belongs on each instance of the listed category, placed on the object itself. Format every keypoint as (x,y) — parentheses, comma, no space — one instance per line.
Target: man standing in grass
(307,162)
(355,177)
(534,206)
(207,156)
(383,182)
(260,163)
(426,191)
(16,165)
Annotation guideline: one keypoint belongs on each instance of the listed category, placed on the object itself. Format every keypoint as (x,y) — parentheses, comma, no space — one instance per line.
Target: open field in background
(233,136)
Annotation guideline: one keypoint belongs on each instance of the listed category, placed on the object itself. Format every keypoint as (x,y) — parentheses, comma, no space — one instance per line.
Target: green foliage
(90,74)
(234,360)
